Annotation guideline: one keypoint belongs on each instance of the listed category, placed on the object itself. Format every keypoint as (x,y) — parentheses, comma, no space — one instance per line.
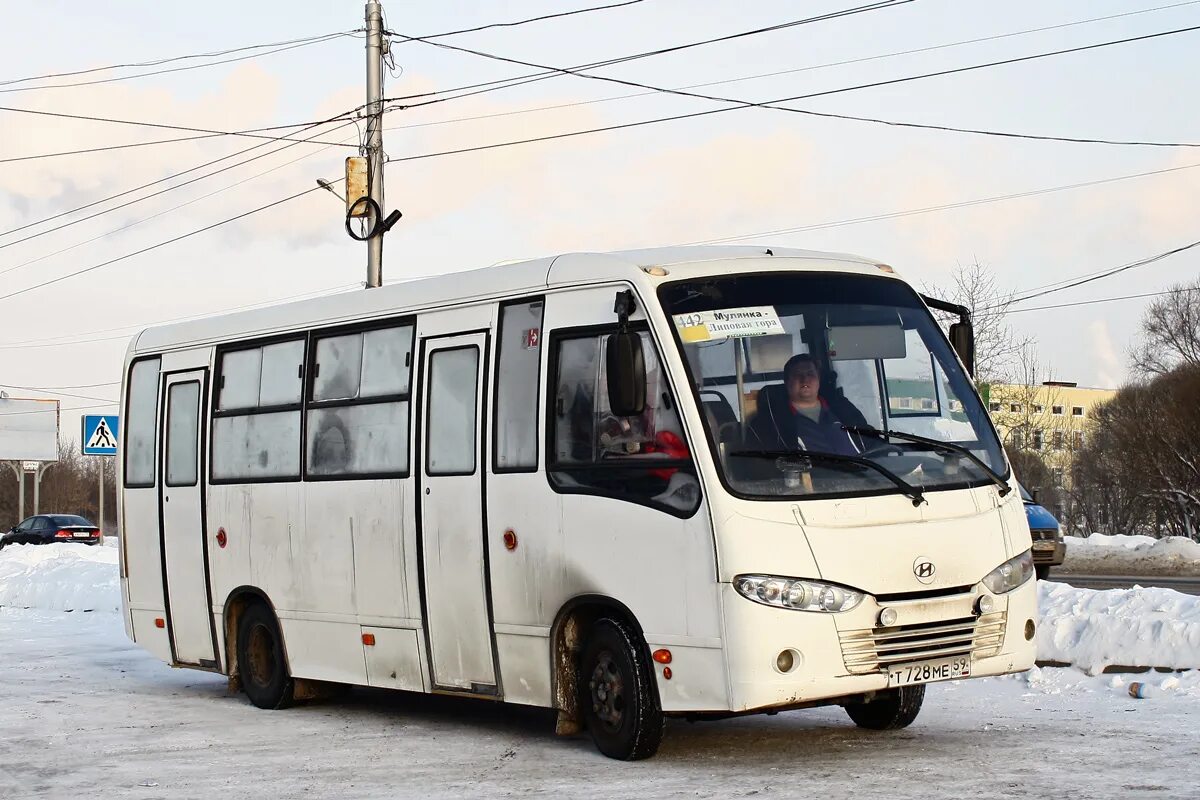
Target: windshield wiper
(934,444)
(914,492)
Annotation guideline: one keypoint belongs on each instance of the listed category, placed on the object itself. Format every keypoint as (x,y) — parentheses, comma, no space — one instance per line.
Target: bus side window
(517,380)
(141,422)
(642,458)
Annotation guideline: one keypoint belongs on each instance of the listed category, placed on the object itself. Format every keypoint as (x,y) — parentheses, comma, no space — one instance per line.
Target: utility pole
(377,47)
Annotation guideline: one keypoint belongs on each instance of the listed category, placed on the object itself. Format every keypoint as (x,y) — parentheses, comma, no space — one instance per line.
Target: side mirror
(962,337)
(626,374)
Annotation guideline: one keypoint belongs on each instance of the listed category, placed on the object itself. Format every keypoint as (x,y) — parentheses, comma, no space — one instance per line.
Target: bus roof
(526,277)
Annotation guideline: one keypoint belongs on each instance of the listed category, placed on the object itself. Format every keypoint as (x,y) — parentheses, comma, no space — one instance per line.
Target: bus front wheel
(616,692)
(261,663)
(890,710)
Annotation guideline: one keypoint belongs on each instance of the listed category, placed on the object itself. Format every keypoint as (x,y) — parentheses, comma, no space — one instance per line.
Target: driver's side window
(26,524)
(643,458)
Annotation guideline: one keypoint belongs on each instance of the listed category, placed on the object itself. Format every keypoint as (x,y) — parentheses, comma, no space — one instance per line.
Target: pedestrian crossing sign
(100,434)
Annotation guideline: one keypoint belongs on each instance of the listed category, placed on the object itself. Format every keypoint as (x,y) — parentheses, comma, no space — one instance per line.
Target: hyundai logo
(924,569)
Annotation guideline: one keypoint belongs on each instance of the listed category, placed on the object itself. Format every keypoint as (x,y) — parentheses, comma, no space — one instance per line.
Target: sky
(755,173)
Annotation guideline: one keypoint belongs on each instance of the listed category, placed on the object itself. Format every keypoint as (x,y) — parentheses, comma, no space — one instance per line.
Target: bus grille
(878,649)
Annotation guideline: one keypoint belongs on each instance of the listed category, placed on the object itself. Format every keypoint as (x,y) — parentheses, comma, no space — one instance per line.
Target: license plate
(81,534)
(1043,545)
(945,669)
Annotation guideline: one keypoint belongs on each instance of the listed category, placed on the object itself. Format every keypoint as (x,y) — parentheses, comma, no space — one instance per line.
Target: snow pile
(1051,681)
(1142,627)
(60,577)
(1131,555)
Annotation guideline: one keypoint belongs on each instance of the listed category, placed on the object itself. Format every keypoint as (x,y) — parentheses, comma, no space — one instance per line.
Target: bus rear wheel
(616,692)
(261,663)
(890,710)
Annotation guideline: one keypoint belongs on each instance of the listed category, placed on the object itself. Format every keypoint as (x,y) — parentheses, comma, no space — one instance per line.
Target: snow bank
(1131,555)
(1141,627)
(1069,681)
(60,577)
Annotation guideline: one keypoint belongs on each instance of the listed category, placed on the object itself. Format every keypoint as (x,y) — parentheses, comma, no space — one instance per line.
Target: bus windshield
(816,384)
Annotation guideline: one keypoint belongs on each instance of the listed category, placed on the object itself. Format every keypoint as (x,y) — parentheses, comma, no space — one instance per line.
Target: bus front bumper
(845,655)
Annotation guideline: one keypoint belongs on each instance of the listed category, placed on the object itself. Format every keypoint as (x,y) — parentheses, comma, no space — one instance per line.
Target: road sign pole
(21,493)
(100,522)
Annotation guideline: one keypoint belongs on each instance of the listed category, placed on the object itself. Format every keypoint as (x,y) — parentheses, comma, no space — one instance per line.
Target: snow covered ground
(1130,555)
(86,713)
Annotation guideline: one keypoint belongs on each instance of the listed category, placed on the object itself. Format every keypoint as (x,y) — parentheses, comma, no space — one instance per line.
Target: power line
(60,394)
(172,59)
(507,83)
(70,340)
(319,40)
(1108,299)
(290,143)
(156,182)
(773,104)
(153,142)
(165,211)
(944,207)
(532,19)
(796,70)
(1141,262)
(69,408)
(157,245)
(140,124)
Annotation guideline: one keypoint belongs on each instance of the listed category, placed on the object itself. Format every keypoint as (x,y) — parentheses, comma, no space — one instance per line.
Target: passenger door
(185,556)
(453,555)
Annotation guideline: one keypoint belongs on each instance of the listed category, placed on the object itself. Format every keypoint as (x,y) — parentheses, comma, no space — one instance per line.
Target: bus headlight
(800,595)
(1010,574)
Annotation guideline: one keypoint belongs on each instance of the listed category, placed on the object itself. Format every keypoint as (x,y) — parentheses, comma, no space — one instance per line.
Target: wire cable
(151,143)
(532,19)
(156,182)
(321,40)
(60,394)
(520,80)
(795,70)
(70,340)
(61,408)
(172,59)
(174,208)
(944,207)
(164,243)
(291,143)
(1108,299)
(140,123)
(773,104)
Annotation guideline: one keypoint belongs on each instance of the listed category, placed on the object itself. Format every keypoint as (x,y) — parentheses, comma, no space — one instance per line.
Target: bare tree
(998,348)
(1170,332)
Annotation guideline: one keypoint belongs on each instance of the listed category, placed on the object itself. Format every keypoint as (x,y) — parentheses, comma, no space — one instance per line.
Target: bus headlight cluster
(800,595)
(1010,574)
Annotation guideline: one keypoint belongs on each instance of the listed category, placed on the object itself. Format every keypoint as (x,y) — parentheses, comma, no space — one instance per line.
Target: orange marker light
(160,623)
(661,656)
(369,639)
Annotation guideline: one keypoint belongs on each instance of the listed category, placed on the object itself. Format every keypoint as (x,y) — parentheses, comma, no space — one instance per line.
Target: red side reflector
(369,639)
(160,623)
(666,673)
(662,656)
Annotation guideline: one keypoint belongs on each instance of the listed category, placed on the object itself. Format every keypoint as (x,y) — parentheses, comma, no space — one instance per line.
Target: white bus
(683,482)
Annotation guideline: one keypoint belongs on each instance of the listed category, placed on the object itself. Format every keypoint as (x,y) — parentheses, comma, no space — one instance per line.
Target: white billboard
(28,430)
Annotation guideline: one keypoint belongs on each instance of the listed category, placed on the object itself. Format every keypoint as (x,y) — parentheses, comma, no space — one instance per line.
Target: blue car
(1049,550)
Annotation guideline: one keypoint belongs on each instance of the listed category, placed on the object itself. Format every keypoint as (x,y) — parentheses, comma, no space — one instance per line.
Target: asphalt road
(1186,585)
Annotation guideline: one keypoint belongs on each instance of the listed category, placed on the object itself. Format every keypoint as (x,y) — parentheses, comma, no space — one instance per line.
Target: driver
(806,421)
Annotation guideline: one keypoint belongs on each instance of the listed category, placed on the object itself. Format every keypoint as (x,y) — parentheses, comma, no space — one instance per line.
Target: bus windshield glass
(826,384)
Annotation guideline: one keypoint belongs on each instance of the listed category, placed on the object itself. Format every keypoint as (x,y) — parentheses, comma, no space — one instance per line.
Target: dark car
(50,528)
(1049,550)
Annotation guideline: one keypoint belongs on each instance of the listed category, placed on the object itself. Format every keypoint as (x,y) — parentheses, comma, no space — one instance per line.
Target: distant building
(1049,420)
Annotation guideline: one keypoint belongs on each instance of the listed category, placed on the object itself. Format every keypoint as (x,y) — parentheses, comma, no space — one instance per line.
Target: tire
(617,695)
(890,710)
(261,663)
(1042,571)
